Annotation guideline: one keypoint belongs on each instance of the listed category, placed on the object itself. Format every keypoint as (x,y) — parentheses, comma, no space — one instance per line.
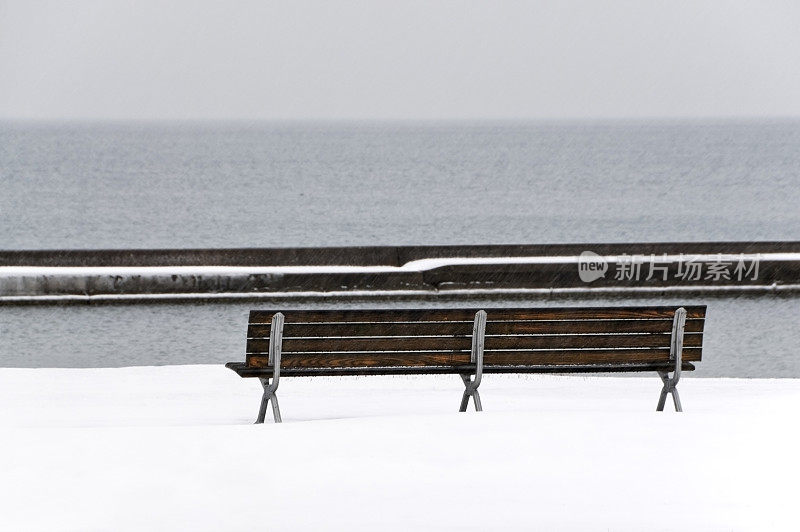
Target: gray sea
(137,185)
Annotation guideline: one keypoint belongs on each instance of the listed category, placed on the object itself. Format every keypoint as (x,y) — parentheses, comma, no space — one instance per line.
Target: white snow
(174,448)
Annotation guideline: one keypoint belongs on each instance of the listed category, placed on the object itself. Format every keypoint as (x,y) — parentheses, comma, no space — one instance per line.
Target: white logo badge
(591,266)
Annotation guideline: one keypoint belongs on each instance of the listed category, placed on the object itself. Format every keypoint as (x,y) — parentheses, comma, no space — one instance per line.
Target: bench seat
(243,370)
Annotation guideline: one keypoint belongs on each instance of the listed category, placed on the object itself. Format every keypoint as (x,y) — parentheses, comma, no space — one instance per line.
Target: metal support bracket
(476,357)
(275,345)
(675,355)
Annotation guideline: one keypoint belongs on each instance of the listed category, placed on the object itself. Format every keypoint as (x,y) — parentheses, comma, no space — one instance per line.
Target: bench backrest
(443,337)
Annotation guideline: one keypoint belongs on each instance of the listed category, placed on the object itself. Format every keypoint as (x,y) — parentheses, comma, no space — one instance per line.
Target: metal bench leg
(676,348)
(676,398)
(667,388)
(464,402)
(470,390)
(661,400)
(464,397)
(262,411)
(275,346)
(269,396)
(471,386)
(476,397)
(276,410)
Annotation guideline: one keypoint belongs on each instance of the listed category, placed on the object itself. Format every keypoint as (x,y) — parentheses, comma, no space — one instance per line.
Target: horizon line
(410,120)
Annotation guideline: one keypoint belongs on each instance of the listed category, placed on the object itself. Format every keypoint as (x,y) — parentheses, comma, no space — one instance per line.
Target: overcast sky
(197,59)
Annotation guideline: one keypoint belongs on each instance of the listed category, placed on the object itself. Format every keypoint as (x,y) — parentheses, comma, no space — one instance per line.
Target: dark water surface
(745,336)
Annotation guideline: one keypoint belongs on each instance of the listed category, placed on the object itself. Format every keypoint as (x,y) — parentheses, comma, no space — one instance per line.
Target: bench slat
(493,358)
(582,356)
(244,371)
(372,359)
(311,330)
(556,313)
(439,343)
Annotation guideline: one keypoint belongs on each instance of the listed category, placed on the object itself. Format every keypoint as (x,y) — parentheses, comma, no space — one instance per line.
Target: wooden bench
(467,342)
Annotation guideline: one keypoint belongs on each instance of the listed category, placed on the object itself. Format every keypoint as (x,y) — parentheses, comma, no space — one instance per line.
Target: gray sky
(398,60)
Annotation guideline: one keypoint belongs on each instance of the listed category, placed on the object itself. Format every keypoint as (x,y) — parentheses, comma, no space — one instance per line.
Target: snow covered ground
(173,448)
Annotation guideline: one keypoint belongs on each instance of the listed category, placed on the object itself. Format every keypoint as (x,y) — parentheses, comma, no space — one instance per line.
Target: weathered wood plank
(421,358)
(568,357)
(243,371)
(554,313)
(312,330)
(362,359)
(587,340)
(418,343)
(439,343)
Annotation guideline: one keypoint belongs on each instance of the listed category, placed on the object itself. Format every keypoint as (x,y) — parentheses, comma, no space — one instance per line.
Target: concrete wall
(26,275)
(359,256)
